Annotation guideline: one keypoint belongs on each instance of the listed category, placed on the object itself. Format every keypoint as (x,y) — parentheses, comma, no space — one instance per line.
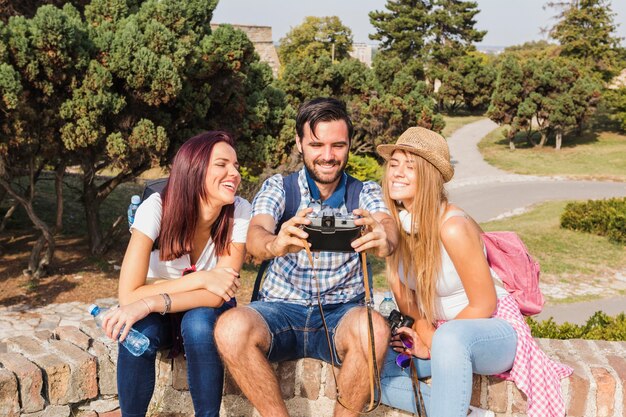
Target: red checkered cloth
(536,375)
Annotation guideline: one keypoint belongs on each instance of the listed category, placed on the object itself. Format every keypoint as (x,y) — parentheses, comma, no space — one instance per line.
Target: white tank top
(451,297)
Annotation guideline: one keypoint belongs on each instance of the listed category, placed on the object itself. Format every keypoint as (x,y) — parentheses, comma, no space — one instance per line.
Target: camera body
(397,320)
(332,230)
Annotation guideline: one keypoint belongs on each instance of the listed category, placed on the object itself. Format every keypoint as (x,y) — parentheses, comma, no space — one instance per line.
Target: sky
(508,22)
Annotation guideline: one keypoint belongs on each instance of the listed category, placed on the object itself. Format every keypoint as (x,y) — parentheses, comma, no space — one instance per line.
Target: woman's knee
(449,341)
(197,325)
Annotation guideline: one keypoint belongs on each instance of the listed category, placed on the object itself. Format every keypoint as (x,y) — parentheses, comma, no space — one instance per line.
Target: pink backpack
(509,258)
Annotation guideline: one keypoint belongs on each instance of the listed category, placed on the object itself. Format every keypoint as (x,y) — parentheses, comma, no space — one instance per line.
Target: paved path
(487,193)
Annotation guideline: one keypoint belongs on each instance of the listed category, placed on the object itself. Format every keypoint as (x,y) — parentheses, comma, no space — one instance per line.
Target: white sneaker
(480,412)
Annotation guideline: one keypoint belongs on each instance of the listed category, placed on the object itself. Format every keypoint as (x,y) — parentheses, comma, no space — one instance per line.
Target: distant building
(261,37)
(362,52)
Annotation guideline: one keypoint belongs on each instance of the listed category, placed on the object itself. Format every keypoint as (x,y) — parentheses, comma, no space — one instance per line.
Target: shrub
(598,327)
(601,217)
(364,168)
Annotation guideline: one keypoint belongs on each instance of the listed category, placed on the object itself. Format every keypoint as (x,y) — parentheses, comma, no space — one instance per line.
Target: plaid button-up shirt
(290,278)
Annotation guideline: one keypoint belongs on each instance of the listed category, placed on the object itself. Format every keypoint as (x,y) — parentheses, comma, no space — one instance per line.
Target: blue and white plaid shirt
(289,278)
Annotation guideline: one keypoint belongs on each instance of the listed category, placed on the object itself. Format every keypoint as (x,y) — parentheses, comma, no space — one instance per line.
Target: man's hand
(291,238)
(375,238)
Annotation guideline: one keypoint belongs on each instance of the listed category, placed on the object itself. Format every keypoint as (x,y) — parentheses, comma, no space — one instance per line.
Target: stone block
(618,363)
(73,335)
(101,406)
(286,374)
(179,373)
(497,395)
(107,368)
(476,391)
(9,397)
(57,411)
(330,390)
(85,413)
(115,413)
(56,372)
(520,401)
(30,381)
(311,379)
(605,392)
(83,367)
(579,386)
(44,334)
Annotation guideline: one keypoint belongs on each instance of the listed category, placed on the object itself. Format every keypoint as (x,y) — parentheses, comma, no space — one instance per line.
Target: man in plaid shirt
(286,323)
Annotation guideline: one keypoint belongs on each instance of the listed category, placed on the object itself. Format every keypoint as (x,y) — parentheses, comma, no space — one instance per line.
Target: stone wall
(70,371)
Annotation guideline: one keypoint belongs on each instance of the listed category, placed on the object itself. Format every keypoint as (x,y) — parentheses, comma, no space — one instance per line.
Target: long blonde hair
(419,252)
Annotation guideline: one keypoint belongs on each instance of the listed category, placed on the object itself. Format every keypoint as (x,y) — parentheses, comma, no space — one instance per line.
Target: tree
(469,82)
(453,33)
(122,85)
(616,99)
(433,32)
(403,29)
(553,94)
(314,38)
(48,53)
(586,32)
(507,96)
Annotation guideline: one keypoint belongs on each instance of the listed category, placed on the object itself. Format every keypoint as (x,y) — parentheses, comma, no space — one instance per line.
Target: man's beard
(310,166)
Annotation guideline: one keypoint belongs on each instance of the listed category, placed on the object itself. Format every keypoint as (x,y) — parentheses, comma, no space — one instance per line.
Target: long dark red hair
(184,191)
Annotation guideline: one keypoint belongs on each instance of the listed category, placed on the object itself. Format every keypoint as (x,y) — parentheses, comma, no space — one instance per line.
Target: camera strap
(371,359)
(417,392)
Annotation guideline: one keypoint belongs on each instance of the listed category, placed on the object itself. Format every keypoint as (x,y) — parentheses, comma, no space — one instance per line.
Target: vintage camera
(397,320)
(332,230)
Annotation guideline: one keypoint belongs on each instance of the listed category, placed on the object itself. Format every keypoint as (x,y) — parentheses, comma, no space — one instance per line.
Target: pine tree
(452,31)
(404,29)
(586,32)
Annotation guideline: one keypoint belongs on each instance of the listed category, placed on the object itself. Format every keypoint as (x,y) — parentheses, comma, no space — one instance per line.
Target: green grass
(597,155)
(454,123)
(561,251)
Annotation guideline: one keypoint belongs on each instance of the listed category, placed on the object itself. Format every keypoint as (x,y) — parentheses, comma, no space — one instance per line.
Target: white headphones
(406,220)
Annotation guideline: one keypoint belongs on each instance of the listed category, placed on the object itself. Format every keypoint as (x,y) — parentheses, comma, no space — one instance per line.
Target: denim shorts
(297,331)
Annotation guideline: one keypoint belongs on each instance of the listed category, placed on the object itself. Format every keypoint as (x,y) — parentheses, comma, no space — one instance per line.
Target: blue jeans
(205,373)
(459,349)
(297,331)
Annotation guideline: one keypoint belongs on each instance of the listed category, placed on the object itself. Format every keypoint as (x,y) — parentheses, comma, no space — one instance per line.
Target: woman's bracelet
(146,303)
(168,303)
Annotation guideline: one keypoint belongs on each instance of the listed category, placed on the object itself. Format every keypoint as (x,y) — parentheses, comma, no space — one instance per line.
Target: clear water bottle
(136,342)
(132,209)
(387,305)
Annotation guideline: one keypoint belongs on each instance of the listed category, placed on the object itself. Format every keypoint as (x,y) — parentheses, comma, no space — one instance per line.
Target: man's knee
(355,327)
(238,329)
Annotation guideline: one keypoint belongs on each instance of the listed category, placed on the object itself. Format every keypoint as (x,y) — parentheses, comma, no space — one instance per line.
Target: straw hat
(423,142)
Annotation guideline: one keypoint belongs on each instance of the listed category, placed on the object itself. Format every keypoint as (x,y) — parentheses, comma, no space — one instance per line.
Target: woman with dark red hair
(201,226)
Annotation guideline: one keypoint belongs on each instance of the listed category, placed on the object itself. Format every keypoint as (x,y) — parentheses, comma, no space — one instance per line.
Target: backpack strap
(292,202)
(353,193)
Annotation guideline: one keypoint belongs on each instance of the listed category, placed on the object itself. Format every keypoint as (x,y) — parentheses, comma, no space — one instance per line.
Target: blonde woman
(464,322)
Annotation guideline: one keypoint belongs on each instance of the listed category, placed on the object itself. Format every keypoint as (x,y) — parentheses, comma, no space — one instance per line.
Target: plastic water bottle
(387,305)
(136,342)
(132,209)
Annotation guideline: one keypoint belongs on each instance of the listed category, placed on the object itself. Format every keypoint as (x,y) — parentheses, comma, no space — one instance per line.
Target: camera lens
(328,223)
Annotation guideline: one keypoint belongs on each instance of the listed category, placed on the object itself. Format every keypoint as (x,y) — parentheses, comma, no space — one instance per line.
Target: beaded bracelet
(168,303)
